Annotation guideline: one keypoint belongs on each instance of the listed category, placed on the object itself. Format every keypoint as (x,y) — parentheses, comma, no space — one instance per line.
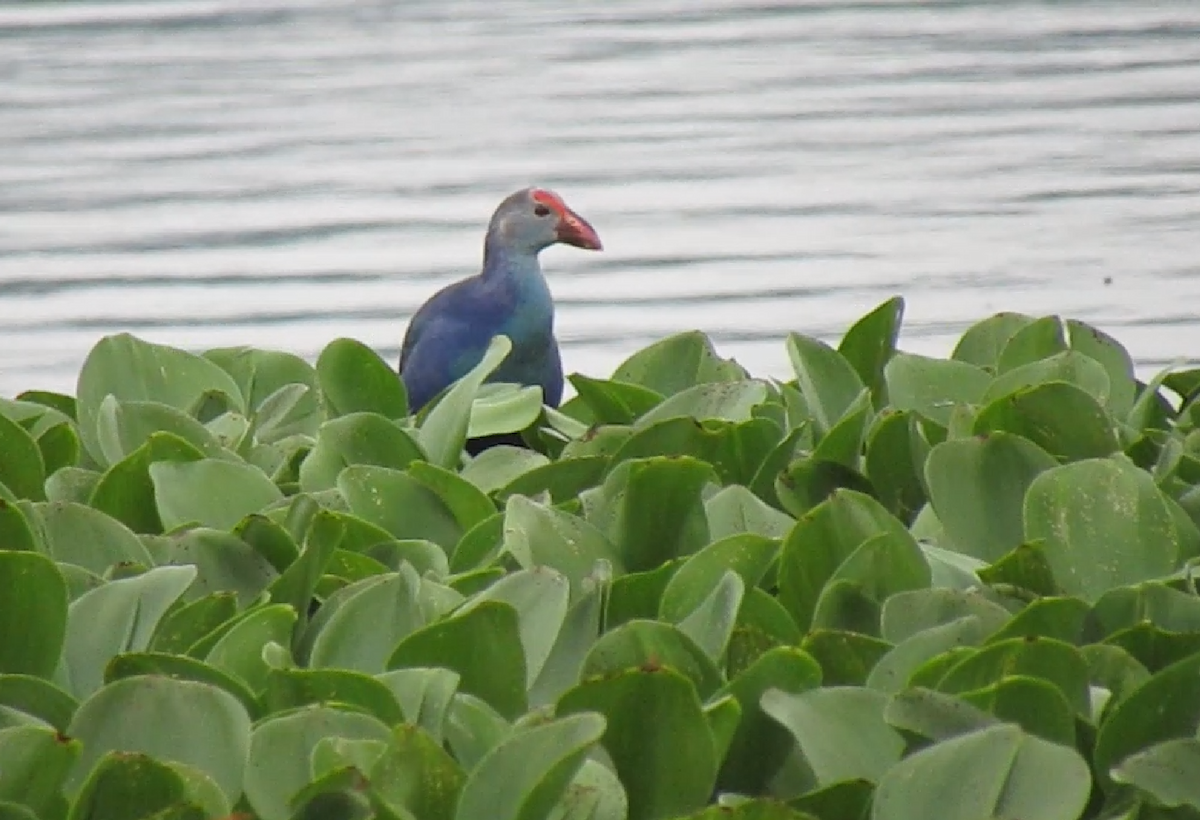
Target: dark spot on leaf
(1031,638)
(59,737)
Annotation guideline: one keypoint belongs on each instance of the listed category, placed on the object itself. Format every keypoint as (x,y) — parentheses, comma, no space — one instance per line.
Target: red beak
(573,229)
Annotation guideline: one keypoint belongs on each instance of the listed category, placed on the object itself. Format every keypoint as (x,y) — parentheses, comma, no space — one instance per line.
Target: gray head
(534,218)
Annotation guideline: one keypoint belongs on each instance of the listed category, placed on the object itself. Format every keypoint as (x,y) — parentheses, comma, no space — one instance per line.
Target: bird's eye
(541,210)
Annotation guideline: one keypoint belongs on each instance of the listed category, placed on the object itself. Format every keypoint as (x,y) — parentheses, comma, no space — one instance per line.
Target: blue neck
(519,273)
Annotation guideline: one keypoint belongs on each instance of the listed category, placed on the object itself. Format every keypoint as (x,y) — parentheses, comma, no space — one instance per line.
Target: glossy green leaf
(398,503)
(118,617)
(656,736)
(676,363)
(133,370)
(826,379)
(840,731)
(278,764)
(210,492)
(977,487)
(22,469)
(998,771)
(1062,419)
(933,387)
(483,645)
(356,438)
(354,379)
(760,744)
(33,614)
(129,715)
(982,343)
(444,431)
(651,509)
(1103,524)
(527,773)
(1165,707)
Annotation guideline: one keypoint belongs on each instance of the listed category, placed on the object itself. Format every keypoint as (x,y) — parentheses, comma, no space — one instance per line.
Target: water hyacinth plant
(893,587)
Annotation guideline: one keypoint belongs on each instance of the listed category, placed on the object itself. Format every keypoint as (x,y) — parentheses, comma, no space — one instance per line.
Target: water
(203,175)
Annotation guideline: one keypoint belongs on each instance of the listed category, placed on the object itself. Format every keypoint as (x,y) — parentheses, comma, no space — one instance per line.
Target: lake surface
(282,173)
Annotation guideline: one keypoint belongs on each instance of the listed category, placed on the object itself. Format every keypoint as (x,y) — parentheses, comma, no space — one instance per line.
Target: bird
(450,332)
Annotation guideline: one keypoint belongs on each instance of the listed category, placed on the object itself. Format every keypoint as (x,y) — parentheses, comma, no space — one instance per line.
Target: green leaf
(210,492)
(75,534)
(240,650)
(676,363)
(537,535)
(894,670)
(746,554)
(933,387)
(651,509)
(38,698)
(181,667)
(892,466)
(354,379)
(118,617)
(1103,524)
(760,744)
(1069,366)
(1039,339)
(223,563)
(399,504)
(1054,661)
(840,731)
(977,488)
(424,696)
(467,503)
(133,370)
(361,631)
(124,785)
(826,379)
(34,763)
(416,775)
(129,715)
(727,401)
(870,343)
(483,645)
(540,597)
(33,614)
(124,426)
(15,532)
(356,438)
(1169,772)
(1163,708)
(614,402)
(528,772)
(981,344)
(563,480)
(504,408)
(290,688)
(444,431)
(499,466)
(278,765)
(22,469)
(652,645)
(1062,419)
(998,771)
(657,738)
(1113,357)
(1034,704)
(825,539)
(846,658)
(280,390)
(126,491)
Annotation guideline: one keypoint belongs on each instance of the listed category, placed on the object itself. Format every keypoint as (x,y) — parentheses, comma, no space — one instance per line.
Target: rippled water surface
(280,173)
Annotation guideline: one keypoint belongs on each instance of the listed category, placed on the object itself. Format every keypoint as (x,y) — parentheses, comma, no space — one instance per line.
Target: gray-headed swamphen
(450,332)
